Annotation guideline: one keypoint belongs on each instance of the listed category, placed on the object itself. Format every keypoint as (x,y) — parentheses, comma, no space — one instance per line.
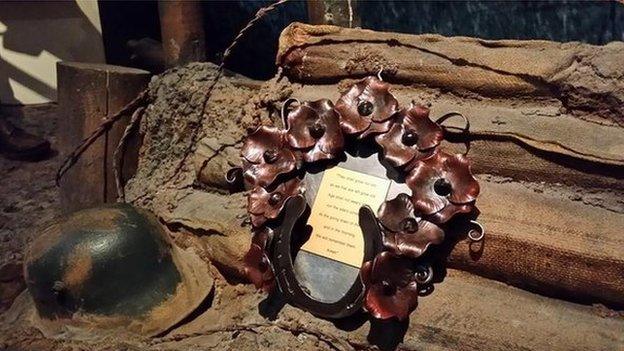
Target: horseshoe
(284,270)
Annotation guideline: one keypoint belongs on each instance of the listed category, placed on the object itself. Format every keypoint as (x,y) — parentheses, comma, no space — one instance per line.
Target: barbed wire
(105,126)
(196,132)
(136,103)
(118,155)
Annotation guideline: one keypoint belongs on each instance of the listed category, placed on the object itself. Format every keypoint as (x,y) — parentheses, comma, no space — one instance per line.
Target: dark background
(594,22)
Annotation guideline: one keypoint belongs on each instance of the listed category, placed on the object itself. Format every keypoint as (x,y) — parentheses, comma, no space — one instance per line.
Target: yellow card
(336,233)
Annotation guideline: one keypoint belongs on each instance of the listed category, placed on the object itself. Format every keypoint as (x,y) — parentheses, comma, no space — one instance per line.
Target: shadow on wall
(34,36)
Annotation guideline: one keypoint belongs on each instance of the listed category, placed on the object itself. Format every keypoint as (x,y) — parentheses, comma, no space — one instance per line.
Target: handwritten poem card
(336,233)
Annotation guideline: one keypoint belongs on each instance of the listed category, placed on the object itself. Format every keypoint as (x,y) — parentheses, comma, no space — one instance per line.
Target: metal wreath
(442,186)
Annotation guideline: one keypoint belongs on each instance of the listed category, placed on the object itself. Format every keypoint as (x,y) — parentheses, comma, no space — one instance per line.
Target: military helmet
(113,266)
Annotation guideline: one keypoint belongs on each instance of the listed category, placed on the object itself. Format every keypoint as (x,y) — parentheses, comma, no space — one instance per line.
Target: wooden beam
(88,93)
(182,31)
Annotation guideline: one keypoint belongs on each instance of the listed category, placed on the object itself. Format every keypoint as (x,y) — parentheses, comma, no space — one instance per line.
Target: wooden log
(87,93)
(182,31)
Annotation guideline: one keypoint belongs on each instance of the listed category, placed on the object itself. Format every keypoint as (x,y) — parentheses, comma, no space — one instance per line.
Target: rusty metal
(442,186)
(113,266)
(367,108)
(257,265)
(267,156)
(314,128)
(279,164)
(477,234)
(182,31)
(392,289)
(264,205)
(404,233)
(440,120)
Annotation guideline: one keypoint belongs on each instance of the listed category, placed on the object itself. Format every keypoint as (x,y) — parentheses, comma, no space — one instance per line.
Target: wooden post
(88,93)
(182,31)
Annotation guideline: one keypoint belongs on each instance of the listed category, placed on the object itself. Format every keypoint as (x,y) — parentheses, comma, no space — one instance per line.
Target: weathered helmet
(113,266)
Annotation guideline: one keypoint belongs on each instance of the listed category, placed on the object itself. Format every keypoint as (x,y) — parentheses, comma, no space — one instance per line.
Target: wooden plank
(80,96)
(87,94)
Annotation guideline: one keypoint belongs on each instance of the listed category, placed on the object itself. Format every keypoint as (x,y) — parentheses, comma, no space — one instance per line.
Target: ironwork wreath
(316,136)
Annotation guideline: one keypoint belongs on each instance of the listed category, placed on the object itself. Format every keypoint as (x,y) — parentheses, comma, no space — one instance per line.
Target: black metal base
(289,285)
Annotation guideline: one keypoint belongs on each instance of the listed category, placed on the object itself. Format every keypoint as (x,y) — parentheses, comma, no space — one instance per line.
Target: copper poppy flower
(404,233)
(367,108)
(412,134)
(391,287)
(256,264)
(442,185)
(266,156)
(314,127)
(263,205)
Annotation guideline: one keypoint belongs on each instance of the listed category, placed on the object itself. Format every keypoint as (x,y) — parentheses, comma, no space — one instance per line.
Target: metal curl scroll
(478,234)
(234,179)
(284,110)
(450,115)
(424,275)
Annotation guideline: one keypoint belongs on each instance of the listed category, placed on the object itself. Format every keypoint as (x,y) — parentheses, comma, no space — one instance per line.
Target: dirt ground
(29,196)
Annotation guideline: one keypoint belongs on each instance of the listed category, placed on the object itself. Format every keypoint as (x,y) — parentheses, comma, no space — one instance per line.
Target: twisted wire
(118,155)
(105,126)
(196,132)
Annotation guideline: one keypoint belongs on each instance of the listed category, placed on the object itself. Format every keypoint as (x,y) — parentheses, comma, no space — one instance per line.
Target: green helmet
(113,266)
